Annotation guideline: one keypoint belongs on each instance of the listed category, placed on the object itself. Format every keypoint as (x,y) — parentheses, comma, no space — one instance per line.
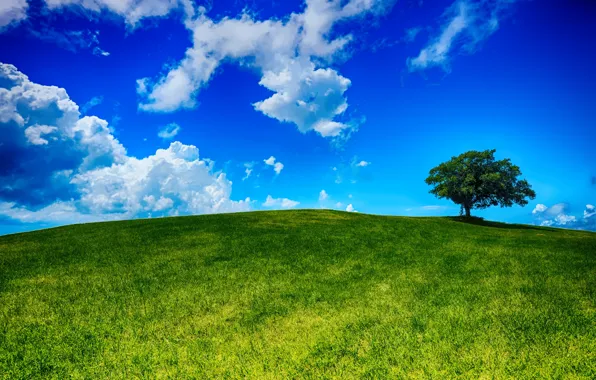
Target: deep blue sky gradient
(529,91)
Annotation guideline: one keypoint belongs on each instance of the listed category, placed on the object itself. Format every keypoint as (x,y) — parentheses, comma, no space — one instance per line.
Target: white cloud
(363,163)
(433,208)
(539,208)
(279,202)
(339,205)
(174,181)
(248,172)
(94,101)
(169,131)
(58,212)
(589,212)
(350,208)
(45,141)
(323,195)
(277,166)
(290,55)
(99,51)
(61,167)
(558,216)
(35,132)
(12,11)
(467,24)
(132,10)
(71,40)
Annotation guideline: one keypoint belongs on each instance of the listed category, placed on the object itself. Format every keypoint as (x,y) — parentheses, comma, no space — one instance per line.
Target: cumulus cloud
(174,181)
(323,195)
(169,131)
(350,208)
(277,166)
(58,166)
(290,55)
(466,25)
(12,11)
(363,163)
(45,141)
(559,215)
(279,202)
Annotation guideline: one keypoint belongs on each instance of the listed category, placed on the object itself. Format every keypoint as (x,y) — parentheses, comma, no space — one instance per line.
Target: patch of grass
(298,294)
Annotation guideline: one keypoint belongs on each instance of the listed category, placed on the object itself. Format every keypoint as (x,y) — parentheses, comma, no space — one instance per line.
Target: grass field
(298,294)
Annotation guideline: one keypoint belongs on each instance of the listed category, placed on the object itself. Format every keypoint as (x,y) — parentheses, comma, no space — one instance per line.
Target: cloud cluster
(174,181)
(279,202)
(277,166)
(558,215)
(466,25)
(55,164)
(290,55)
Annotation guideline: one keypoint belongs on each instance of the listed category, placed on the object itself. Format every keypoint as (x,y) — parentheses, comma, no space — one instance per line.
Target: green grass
(298,294)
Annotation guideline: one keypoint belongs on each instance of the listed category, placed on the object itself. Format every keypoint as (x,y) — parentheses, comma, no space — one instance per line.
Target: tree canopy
(475,180)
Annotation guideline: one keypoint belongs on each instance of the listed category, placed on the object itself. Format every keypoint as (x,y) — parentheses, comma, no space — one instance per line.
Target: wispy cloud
(94,101)
(71,40)
(411,34)
(279,202)
(466,24)
(169,131)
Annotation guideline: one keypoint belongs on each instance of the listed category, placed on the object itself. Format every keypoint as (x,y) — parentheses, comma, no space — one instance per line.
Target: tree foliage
(475,180)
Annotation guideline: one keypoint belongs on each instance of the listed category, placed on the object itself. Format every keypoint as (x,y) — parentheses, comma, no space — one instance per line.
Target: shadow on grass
(481,222)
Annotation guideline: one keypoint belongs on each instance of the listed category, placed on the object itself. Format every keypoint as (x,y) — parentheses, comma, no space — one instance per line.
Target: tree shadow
(486,223)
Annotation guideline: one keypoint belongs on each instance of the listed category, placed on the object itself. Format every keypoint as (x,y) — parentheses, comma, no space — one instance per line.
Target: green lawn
(298,294)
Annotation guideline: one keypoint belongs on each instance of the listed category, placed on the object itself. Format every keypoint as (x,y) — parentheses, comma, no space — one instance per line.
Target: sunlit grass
(298,294)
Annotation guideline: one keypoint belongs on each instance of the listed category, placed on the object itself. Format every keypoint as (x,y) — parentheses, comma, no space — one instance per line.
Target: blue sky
(123,109)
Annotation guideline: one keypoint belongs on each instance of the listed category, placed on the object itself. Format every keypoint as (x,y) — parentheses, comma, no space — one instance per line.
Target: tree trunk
(467,211)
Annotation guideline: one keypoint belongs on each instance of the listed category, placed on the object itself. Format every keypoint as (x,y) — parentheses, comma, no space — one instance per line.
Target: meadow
(298,294)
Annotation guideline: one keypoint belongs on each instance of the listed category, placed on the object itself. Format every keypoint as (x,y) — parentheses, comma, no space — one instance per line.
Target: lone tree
(476,180)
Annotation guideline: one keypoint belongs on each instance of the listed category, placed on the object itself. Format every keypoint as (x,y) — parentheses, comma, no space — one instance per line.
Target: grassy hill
(298,294)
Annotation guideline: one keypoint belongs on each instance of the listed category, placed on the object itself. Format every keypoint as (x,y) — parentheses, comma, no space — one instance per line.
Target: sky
(125,109)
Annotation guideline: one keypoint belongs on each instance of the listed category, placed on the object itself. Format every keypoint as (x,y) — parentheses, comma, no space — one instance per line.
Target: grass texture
(298,294)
